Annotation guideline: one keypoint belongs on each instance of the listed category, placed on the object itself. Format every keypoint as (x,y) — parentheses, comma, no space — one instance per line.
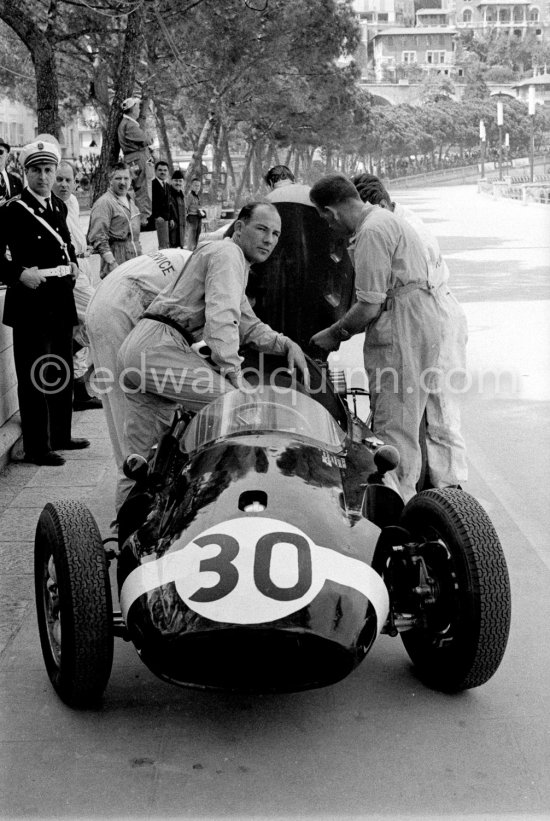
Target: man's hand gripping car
(263,550)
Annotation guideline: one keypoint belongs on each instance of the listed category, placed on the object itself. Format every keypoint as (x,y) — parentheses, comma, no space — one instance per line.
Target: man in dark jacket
(160,189)
(177,210)
(10,184)
(40,272)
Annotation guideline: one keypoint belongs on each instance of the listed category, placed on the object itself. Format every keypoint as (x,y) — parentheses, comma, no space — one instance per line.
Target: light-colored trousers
(109,320)
(415,358)
(161,372)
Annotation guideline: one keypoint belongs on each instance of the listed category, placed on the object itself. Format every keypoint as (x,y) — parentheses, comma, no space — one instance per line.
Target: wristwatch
(340,333)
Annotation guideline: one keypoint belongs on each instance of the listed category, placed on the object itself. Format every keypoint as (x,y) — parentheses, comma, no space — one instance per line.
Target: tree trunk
(42,54)
(244,175)
(228,161)
(110,148)
(194,167)
(166,151)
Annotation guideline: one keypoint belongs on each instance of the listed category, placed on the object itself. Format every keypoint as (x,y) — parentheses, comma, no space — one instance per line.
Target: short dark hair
(278,173)
(119,166)
(331,190)
(370,188)
(247,211)
(161,162)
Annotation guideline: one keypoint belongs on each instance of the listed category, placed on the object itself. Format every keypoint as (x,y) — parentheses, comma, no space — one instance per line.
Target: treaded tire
(73,602)
(463,640)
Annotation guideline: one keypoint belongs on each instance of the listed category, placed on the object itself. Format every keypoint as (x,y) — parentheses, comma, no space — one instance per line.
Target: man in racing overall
(414,329)
(206,302)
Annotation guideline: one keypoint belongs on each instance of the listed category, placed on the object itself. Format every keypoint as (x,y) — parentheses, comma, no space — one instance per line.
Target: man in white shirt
(64,187)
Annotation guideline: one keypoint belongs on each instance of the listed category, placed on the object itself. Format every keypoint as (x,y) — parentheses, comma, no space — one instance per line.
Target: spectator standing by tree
(177,210)
(114,222)
(10,184)
(135,143)
(160,189)
(194,216)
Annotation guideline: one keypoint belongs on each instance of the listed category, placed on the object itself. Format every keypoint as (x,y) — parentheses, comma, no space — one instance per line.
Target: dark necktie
(49,210)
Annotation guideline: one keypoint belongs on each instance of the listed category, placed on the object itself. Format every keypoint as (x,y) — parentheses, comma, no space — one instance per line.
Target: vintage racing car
(263,547)
(262,550)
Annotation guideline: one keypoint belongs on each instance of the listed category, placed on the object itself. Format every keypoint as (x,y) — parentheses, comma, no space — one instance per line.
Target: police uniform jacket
(10,186)
(30,243)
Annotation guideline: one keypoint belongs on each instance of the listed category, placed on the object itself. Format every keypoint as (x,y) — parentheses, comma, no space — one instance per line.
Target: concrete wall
(10,429)
(8,381)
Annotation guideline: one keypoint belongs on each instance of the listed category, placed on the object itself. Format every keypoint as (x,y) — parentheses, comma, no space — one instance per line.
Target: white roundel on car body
(252,571)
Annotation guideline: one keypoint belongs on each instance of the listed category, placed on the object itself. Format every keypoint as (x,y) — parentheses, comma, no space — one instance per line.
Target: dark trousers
(44,367)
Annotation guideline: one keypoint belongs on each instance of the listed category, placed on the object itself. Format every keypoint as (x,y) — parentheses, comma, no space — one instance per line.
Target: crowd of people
(154,314)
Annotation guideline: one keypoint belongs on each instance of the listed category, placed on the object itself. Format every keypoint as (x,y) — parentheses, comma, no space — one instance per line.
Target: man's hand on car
(297,360)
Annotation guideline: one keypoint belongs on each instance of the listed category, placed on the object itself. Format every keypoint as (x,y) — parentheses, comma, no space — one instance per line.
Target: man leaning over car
(206,302)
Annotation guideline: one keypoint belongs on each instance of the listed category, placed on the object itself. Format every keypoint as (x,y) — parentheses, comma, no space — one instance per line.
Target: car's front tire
(460,640)
(73,602)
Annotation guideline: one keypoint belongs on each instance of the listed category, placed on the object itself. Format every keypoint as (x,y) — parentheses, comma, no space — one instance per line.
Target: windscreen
(265,410)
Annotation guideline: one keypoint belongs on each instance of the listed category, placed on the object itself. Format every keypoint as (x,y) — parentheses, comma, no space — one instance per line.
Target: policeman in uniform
(40,269)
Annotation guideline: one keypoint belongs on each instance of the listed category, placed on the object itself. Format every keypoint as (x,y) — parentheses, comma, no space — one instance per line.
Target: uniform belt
(59,271)
(166,320)
(200,348)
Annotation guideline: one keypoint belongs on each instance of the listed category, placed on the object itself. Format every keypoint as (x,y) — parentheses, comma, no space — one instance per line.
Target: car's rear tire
(461,640)
(73,602)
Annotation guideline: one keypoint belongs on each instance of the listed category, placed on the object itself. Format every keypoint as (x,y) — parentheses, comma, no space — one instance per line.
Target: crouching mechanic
(115,308)
(206,302)
(415,333)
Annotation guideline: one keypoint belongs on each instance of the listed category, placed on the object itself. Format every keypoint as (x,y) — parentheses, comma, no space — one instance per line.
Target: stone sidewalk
(88,475)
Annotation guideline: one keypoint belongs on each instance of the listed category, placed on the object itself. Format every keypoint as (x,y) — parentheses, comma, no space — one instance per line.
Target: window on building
(467,15)
(435,57)
(533,15)
(408,57)
(504,15)
(383,18)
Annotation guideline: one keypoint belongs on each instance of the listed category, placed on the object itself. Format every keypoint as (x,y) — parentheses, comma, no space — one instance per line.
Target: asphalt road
(379,744)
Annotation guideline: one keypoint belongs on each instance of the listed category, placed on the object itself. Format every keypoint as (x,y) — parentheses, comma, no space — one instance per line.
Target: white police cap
(38,152)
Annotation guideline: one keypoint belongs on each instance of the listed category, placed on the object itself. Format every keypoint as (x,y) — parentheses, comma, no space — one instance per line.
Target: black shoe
(73,444)
(49,457)
(87,404)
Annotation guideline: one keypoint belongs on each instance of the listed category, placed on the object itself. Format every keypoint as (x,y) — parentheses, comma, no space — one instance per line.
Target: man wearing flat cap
(10,184)
(135,143)
(40,271)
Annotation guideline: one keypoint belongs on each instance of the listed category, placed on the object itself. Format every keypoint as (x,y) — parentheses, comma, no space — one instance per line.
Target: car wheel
(73,602)
(459,640)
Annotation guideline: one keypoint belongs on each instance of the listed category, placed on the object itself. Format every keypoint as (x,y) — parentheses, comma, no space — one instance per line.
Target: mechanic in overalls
(445,446)
(414,329)
(116,307)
